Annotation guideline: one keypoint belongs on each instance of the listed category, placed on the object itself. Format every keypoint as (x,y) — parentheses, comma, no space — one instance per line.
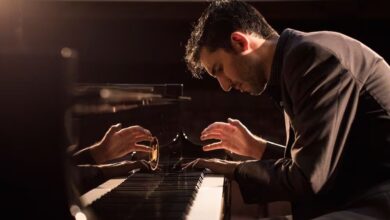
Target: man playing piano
(334,92)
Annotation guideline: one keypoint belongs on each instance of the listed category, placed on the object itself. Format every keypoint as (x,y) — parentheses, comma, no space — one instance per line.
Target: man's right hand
(234,137)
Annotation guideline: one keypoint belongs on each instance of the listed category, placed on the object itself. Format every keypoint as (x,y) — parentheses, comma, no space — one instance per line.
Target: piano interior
(71,69)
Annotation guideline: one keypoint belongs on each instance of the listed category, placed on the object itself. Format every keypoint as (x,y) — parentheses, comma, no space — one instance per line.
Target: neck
(270,56)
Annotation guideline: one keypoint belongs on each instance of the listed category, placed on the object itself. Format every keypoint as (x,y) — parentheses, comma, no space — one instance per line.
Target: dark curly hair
(218,21)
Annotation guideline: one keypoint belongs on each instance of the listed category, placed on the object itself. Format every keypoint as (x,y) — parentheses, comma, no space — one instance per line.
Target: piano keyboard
(188,195)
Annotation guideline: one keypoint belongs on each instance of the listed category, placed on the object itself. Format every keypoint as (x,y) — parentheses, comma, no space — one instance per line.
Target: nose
(225,83)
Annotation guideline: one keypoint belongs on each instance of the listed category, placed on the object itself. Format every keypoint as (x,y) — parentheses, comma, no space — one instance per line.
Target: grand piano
(168,192)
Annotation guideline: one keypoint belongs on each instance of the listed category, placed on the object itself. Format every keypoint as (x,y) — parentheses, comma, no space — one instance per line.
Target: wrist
(232,173)
(236,172)
(259,148)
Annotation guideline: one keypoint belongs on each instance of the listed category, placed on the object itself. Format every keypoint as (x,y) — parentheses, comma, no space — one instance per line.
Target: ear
(240,42)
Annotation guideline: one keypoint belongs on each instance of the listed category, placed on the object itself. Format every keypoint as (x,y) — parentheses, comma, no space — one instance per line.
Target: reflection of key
(155,154)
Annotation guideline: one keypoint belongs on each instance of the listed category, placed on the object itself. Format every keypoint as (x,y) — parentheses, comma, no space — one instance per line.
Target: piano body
(168,192)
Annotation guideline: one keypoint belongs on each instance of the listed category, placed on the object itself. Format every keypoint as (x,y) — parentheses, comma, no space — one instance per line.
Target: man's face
(233,70)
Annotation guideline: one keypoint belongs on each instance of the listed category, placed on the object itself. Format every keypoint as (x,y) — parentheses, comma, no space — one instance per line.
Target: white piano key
(94,194)
(209,200)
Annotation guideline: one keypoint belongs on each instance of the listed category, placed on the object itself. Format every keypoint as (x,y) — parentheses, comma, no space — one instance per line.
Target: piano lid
(111,98)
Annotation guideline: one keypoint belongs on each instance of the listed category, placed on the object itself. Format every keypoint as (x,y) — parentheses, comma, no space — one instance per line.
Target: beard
(256,80)
(253,74)
(256,89)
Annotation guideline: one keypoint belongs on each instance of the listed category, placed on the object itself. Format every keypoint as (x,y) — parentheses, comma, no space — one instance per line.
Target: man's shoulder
(304,51)
(316,39)
(313,36)
(319,45)
(303,46)
(321,41)
(299,39)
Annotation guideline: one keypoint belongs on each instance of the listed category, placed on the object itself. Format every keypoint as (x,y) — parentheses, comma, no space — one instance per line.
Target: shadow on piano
(168,192)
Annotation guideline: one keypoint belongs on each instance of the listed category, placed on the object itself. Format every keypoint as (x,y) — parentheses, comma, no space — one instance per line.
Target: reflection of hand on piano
(118,142)
(218,166)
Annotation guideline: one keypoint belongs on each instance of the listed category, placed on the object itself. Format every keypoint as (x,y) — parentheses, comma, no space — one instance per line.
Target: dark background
(143,42)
